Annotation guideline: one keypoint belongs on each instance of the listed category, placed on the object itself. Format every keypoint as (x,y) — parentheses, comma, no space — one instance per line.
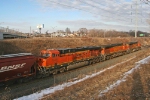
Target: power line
(101,4)
(142,1)
(109,0)
(101,8)
(87,11)
(146,2)
(84,10)
(139,13)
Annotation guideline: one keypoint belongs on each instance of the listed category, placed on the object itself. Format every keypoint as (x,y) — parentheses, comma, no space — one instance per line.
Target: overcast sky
(74,14)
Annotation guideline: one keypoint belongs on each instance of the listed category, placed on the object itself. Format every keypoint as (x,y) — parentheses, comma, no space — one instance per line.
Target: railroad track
(36,85)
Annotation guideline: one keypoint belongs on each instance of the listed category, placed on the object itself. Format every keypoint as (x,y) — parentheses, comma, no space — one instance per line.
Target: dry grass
(35,45)
(135,85)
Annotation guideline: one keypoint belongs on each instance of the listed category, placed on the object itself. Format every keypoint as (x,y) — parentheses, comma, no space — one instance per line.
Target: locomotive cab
(48,57)
(45,54)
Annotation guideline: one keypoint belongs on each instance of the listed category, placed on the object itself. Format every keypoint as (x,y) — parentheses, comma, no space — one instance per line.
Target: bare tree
(68,30)
(83,31)
(108,33)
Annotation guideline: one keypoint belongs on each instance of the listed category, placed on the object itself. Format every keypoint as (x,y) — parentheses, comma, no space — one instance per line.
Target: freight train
(22,67)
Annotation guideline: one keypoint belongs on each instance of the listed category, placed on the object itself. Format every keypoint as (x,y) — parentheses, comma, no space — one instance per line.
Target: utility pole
(136,20)
(104,32)
(1,23)
(30,31)
(53,31)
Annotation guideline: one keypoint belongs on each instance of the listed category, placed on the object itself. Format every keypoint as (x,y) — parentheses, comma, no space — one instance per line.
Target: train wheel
(107,57)
(112,56)
(102,59)
(55,72)
(98,59)
(45,75)
(94,61)
(90,62)
(124,53)
(62,70)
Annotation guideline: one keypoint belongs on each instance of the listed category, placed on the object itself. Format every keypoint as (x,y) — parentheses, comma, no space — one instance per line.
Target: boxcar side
(15,66)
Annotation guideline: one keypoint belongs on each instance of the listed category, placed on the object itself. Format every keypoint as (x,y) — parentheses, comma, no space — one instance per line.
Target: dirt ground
(35,45)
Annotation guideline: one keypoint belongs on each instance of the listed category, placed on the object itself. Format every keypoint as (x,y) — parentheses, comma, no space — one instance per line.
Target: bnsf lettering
(12,67)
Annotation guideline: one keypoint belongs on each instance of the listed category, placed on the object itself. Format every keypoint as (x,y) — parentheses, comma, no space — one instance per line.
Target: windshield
(45,55)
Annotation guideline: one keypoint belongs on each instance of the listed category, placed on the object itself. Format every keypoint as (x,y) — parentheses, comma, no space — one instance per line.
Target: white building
(1,36)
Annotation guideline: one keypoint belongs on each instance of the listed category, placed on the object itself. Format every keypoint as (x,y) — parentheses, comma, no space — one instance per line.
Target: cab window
(53,55)
(45,55)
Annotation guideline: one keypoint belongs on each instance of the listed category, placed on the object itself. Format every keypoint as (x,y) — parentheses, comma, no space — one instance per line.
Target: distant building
(1,36)
(6,33)
(59,34)
(68,30)
(60,31)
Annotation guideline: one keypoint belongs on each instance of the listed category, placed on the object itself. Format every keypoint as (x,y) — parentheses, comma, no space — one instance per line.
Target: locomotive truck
(22,67)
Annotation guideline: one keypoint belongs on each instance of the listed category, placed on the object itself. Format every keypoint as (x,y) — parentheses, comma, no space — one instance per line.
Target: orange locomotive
(53,61)
(133,46)
(60,60)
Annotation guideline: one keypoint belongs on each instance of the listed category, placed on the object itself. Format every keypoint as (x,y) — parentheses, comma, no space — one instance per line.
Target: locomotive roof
(66,50)
(92,47)
(15,55)
(132,43)
(81,48)
(71,50)
(111,45)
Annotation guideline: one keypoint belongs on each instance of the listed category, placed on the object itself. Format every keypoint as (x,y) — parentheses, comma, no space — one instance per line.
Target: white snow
(143,61)
(39,95)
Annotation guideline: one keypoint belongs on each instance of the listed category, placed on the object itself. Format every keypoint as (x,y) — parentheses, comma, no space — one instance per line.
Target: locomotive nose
(39,59)
(41,62)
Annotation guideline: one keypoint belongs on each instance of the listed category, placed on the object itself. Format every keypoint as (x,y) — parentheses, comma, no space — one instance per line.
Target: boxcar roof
(15,55)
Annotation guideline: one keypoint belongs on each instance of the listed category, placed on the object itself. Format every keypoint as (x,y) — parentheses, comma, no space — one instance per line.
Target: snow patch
(143,61)
(39,95)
